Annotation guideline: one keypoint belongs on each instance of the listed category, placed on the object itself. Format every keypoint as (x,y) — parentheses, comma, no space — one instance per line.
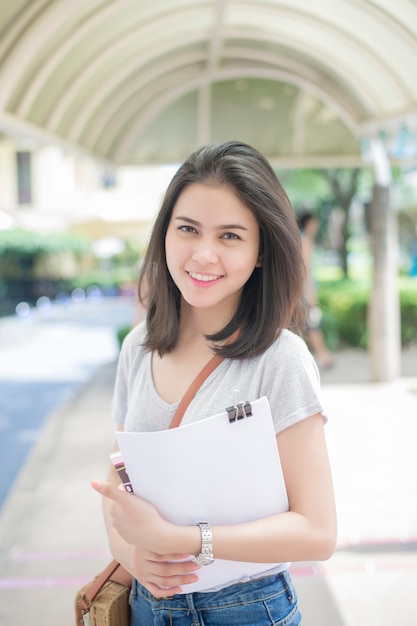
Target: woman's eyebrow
(189,220)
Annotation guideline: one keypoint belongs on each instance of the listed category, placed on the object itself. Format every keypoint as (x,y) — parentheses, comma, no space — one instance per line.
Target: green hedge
(408,298)
(113,277)
(25,242)
(121,333)
(345,309)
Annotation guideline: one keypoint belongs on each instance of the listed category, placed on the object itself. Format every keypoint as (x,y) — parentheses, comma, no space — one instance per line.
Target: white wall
(68,188)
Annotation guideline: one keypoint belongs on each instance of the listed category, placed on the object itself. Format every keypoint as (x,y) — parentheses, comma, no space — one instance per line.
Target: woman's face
(212,247)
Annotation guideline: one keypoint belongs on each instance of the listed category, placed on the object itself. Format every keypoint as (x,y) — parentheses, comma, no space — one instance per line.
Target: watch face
(203,559)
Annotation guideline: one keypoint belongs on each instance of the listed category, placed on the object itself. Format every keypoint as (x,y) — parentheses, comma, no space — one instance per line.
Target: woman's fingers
(163,577)
(164,558)
(158,592)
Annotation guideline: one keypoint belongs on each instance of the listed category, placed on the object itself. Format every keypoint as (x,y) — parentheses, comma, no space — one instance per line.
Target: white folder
(215,470)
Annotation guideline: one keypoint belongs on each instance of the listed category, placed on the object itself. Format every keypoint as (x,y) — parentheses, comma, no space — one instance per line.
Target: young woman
(224,256)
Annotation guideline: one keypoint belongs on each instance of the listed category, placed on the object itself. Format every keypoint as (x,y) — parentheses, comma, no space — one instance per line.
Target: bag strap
(193,388)
(197,382)
(114,571)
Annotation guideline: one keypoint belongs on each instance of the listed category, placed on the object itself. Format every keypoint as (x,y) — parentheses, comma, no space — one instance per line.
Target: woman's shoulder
(288,340)
(291,350)
(134,339)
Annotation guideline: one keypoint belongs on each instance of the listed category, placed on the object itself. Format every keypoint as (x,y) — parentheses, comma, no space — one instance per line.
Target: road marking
(56,555)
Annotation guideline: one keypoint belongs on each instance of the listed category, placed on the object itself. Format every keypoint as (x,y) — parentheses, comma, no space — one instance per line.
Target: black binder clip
(239,411)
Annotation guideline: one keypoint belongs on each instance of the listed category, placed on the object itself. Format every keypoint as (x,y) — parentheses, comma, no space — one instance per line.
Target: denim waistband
(237,594)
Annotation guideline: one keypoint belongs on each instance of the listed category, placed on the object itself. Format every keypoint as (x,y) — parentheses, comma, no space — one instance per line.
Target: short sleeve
(292,382)
(130,349)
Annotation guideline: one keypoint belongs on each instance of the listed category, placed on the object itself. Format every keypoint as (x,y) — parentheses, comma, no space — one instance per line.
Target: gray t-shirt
(286,374)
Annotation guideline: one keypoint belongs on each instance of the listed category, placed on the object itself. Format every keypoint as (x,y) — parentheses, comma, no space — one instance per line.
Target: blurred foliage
(324,190)
(105,278)
(36,264)
(26,255)
(313,189)
(344,305)
(408,299)
(25,242)
(306,188)
(121,334)
(129,257)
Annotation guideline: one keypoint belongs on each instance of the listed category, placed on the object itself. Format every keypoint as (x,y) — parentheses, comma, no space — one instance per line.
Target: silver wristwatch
(206,555)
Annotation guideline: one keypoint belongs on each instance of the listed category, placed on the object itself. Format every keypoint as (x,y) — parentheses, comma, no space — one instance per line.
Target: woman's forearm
(280,538)
(285,537)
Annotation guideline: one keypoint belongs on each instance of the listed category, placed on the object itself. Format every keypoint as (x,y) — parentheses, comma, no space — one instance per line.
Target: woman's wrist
(183,539)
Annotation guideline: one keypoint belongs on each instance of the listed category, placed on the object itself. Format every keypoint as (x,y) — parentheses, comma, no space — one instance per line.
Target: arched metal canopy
(147,81)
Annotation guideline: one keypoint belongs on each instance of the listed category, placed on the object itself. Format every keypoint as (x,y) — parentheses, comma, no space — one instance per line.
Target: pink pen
(119,466)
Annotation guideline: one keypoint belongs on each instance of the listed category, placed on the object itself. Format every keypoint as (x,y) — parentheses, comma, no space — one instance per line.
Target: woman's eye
(187,229)
(230,236)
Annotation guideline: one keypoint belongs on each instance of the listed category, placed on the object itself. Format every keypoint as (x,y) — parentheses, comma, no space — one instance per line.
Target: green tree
(322,191)
(344,186)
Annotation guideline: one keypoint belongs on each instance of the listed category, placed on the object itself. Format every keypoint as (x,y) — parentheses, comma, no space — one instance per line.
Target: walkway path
(44,358)
(52,538)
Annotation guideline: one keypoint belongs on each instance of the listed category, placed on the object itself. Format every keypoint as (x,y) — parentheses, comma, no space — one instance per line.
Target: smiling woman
(212,243)
(226,184)
(224,275)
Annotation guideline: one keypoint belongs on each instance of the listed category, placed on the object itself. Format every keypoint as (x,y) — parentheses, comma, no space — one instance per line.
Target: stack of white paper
(211,470)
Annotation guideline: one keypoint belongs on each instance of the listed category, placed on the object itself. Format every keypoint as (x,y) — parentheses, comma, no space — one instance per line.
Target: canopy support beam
(384,327)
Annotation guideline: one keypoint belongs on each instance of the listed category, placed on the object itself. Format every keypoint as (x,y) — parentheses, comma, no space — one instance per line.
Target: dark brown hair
(272,297)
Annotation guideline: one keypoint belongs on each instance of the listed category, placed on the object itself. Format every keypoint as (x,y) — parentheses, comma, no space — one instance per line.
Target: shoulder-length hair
(272,297)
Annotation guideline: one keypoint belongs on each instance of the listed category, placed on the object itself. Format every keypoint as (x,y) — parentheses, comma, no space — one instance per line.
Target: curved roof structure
(147,81)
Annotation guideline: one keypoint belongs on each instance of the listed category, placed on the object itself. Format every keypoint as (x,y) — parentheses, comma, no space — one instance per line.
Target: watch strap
(206,554)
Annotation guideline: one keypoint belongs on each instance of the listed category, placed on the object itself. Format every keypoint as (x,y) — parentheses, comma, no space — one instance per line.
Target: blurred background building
(100,101)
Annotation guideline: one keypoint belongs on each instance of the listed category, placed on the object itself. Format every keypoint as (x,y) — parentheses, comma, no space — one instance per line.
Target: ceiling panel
(135,82)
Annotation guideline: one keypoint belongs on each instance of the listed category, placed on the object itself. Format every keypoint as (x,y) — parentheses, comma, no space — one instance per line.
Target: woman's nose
(205,252)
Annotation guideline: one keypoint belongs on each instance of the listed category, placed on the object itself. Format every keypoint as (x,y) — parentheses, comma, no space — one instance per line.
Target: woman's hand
(160,575)
(137,521)
(151,559)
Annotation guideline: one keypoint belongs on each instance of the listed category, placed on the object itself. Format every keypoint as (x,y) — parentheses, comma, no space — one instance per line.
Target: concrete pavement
(52,537)
(45,357)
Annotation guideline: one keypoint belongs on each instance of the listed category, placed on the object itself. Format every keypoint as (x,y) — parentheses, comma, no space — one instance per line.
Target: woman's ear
(260,260)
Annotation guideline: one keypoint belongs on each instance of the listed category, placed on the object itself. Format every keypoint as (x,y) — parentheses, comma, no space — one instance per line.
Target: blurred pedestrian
(309,227)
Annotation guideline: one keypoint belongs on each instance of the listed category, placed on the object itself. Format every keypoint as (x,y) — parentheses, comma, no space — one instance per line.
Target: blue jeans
(268,601)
